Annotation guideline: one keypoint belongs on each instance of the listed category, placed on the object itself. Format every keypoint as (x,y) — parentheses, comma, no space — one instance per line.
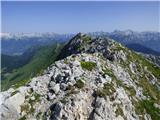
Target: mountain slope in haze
(142,49)
(148,53)
(42,58)
(17,44)
(147,39)
(96,78)
(9,63)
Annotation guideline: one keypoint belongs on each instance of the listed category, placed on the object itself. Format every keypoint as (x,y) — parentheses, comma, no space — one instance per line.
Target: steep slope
(142,49)
(43,57)
(17,44)
(10,63)
(153,58)
(96,79)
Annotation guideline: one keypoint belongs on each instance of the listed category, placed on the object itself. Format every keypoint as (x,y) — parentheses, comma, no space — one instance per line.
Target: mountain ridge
(147,39)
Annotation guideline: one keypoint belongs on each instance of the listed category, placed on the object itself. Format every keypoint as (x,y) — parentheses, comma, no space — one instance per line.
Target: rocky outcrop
(99,82)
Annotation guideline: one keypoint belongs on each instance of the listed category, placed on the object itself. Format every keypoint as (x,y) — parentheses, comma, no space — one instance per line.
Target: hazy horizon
(73,17)
(5,33)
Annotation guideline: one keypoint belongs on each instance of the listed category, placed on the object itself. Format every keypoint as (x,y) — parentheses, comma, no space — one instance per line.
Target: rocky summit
(94,78)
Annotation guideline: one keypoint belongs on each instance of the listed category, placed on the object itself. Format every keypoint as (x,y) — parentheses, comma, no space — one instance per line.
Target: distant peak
(84,43)
(80,34)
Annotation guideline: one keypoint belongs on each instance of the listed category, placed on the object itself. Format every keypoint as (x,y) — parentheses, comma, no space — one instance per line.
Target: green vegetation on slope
(147,106)
(10,63)
(88,65)
(79,84)
(149,90)
(87,39)
(107,90)
(42,59)
(150,66)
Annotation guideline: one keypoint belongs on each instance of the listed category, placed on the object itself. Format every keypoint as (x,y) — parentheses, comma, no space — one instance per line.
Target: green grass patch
(15,92)
(21,83)
(131,90)
(150,66)
(119,83)
(71,90)
(37,96)
(107,90)
(79,84)
(87,39)
(149,89)
(118,47)
(119,111)
(64,100)
(147,106)
(32,102)
(23,118)
(66,61)
(25,108)
(39,116)
(88,65)
(110,73)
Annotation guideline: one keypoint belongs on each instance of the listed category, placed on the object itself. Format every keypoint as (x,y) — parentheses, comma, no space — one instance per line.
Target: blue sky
(73,17)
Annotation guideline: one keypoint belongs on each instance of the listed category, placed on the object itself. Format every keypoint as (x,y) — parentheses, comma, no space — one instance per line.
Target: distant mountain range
(150,40)
(16,44)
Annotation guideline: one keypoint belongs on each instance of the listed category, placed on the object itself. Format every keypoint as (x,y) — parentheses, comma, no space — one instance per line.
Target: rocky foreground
(95,79)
